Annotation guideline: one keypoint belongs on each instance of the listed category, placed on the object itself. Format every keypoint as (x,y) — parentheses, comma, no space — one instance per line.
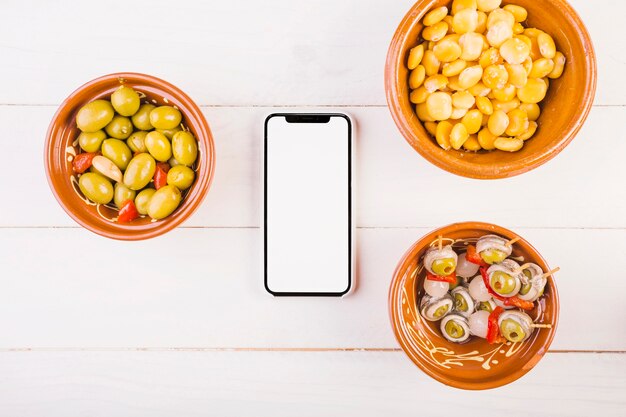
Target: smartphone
(307,218)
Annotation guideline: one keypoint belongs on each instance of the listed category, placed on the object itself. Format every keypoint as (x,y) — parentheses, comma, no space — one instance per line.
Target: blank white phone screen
(307,206)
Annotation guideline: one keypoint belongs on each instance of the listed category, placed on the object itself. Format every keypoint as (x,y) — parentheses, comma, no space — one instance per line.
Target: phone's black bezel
(308,118)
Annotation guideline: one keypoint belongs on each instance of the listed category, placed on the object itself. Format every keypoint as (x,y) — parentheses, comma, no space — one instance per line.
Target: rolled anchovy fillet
(433,309)
(490,242)
(458,332)
(488,305)
(463,302)
(537,283)
(521,318)
(433,253)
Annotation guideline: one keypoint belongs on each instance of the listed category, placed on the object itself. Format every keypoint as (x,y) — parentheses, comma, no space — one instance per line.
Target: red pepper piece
(493,330)
(518,302)
(447,278)
(128,212)
(474,257)
(483,273)
(160,175)
(82,161)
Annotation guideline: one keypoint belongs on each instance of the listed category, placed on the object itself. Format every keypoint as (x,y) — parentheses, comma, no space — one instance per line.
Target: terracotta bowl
(564,109)
(475,364)
(63,132)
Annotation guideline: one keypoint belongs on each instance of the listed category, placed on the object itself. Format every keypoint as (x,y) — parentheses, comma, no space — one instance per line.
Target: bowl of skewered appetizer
(474,305)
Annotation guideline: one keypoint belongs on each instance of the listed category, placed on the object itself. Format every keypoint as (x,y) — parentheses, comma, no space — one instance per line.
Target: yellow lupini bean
(518,29)
(541,68)
(471,144)
(471,46)
(453,68)
(453,83)
(500,15)
(546,45)
(486,139)
(449,19)
(481,25)
(495,76)
(435,16)
(422,113)
(484,105)
(431,127)
(439,105)
(518,12)
(458,5)
(465,21)
(463,99)
(528,65)
(470,76)
(532,110)
(435,82)
(488,5)
(533,92)
(559,66)
(498,122)
(505,106)
(435,32)
(506,93)
(447,50)
(415,56)
(458,136)
(514,51)
(417,76)
(458,113)
(529,133)
(430,62)
(419,95)
(518,122)
(491,56)
(442,134)
(499,32)
(508,144)
(517,74)
(472,120)
(480,89)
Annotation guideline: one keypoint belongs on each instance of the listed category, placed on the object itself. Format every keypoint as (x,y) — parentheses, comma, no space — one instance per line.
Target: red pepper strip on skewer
(508,301)
(447,278)
(493,330)
(128,212)
(474,257)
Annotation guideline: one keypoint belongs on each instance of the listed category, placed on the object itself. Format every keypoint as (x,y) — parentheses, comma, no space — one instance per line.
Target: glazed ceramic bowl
(564,109)
(62,135)
(475,364)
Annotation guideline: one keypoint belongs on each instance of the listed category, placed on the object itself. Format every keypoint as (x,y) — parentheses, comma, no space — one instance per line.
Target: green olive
(441,311)
(512,331)
(94,116)
(169,133)
(143,199)
(125,101)
(91,141)
(158,146)
(527,273)
(163,202)
(454,329)
(485,306)
(525,288)
(141,119)
(185,148)
(502,283)
(493,256)
(460,302)
(444,266)
(118,152)
(119,128)
(96,187)
(136,141)
(165,117)
(140,171)
(181,176)
(122,194)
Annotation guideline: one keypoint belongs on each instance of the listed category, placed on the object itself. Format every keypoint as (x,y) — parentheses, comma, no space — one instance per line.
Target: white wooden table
(180,325)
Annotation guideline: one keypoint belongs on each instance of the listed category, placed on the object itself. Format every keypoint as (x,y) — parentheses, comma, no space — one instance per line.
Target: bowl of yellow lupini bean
(490,88)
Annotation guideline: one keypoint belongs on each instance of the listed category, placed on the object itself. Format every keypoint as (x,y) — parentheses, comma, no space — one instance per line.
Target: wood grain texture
(68,384)
(203,288)
(394,185)
(237,52)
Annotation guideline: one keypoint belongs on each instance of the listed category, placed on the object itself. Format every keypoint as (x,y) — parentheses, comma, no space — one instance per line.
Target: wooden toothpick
(439,241)
(541,326)
(512,241)
(547,274)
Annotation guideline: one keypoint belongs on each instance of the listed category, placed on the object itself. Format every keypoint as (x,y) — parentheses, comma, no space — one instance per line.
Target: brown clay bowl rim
(395,314)
(191,202)
(424,144)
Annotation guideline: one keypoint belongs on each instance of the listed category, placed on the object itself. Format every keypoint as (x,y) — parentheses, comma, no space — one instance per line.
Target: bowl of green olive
(129,156)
